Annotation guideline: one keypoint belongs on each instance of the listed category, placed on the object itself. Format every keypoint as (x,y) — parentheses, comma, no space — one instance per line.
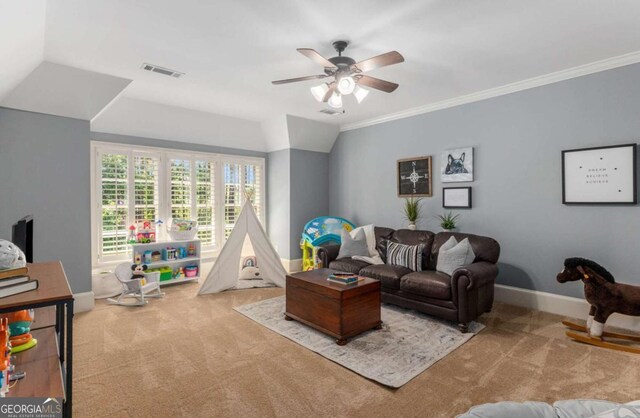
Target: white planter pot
(411,226)
(448,230)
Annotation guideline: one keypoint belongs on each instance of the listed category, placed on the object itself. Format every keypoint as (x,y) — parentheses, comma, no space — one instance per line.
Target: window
(133,184)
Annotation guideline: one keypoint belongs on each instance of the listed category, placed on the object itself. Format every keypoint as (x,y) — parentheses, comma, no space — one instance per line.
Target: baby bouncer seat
(140,289)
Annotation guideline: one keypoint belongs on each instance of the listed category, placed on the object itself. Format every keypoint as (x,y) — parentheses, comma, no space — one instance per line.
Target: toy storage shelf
(174,264)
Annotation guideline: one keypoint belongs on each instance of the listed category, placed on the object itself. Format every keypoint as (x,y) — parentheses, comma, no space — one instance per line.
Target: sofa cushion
(453,255)
(348,265)
(409,256)
(388,275)
(485,248)
(427,283)
(353,245)
(408,237)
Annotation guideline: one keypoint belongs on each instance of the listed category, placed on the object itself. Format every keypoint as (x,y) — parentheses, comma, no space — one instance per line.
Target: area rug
(408,343)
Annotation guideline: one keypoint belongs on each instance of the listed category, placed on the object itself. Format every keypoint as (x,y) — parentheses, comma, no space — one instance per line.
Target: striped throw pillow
(409,256)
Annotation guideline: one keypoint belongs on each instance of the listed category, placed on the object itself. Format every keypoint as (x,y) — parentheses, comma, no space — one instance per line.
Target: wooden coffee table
(341,311)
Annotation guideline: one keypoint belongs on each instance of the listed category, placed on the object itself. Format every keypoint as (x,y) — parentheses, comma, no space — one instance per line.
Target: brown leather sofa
(462,297)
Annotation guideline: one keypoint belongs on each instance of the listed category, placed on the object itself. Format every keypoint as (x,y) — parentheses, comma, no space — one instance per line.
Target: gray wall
(278,201)
(309,191)
(44,172)
(297,188)
(517,192)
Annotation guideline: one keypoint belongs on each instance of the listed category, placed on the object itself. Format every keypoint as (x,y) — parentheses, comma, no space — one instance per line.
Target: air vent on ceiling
(331,112)
(161,70)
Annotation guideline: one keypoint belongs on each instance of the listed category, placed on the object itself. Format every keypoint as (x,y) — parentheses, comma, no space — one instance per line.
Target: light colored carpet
(408,343)
(194,356)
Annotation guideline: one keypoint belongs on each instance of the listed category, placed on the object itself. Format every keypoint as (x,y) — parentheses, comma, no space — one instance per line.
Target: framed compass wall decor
(601,175)
(414,177)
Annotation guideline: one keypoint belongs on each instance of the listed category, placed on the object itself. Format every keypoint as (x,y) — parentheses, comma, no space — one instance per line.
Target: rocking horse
(605,297)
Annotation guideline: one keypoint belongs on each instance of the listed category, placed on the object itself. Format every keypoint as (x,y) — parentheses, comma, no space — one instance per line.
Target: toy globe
(11,256)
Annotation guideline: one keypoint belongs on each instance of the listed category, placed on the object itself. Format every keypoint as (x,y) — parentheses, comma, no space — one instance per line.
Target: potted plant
(412,211)
(448,221)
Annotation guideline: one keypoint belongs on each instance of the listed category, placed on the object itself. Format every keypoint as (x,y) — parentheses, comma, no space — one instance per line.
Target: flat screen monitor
(22,236)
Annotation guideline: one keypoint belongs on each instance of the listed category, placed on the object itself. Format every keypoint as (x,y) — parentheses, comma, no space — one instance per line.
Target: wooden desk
(49,363)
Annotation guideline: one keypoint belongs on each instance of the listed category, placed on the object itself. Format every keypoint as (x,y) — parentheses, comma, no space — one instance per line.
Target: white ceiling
(232,50)
(22,26)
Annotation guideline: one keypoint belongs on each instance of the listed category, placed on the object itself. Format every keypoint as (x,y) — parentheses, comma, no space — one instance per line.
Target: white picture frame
(456,197)
(456,165)
(600,175)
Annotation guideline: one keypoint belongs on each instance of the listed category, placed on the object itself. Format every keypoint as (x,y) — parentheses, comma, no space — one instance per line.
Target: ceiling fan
(347,75)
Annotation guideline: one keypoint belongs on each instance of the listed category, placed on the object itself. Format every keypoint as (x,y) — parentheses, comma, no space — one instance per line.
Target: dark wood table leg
(341,341)
(378,327)
(69,361)
(287,318)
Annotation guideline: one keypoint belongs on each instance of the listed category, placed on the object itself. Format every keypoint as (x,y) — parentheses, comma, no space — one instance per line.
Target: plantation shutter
(253,189)
(232,197)
(180,188)
(114,187)
(146,197)
(205,198)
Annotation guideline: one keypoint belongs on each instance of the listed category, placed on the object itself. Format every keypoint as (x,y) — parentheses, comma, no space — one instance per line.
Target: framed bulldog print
(456,165)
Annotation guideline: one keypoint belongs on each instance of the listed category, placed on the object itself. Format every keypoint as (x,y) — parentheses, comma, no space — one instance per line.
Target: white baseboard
(292,266)
(558,304)
(83,302)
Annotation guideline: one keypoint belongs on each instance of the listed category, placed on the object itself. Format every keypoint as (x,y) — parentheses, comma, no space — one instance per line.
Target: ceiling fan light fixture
(360,93)
(318,92)
(335,101)
(346,85)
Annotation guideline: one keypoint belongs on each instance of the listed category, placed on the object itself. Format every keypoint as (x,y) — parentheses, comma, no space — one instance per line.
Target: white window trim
(164,209)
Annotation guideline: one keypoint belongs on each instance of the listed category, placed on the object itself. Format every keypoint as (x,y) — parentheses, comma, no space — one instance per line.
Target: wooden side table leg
(378,327)
(287,318)
(341,341)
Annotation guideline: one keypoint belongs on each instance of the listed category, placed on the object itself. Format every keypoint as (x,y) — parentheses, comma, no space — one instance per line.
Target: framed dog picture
(456,165)
(600,175)
(414,177)
(456,197)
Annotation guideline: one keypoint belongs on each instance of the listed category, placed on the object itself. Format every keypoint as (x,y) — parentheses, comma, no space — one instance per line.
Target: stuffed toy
(138,272)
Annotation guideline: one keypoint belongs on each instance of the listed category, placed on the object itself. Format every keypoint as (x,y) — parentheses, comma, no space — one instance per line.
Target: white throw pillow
(453,255)
(371,238)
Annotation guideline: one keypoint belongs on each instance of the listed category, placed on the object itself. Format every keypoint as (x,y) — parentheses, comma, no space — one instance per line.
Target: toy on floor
(137,285)
(250,270)
(605,297)
(322,230)
(19,329)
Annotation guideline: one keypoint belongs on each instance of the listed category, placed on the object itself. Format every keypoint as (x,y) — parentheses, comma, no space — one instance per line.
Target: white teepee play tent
(225,272)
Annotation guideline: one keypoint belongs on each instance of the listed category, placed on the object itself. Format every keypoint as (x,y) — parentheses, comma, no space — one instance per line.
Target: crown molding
(591,68)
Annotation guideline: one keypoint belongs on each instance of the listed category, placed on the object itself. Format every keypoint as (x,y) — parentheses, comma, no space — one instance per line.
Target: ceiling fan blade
(293,80)
(379,61)
(376,83)
(327,95)
(317,58)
